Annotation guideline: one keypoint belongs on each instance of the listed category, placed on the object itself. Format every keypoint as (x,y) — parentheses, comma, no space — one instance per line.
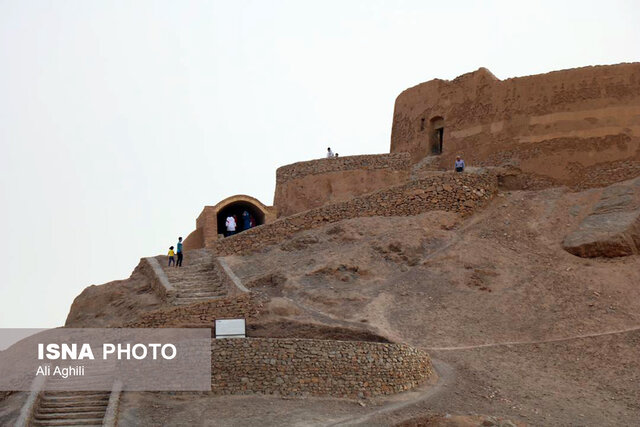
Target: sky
(120,120)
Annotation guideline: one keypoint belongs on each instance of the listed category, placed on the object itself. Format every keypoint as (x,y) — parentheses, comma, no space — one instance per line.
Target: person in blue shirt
(179,252)
(459,164)
(246,220)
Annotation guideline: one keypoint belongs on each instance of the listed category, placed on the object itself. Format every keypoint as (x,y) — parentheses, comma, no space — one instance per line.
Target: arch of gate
(210,224)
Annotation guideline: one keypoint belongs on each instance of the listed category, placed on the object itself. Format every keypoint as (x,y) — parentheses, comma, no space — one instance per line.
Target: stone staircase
(71,408)
(424,167)
(200,277)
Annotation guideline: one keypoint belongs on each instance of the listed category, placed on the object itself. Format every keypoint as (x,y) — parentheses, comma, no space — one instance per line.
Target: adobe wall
(579,127)
(207,222)
(351,369)
(306,185)
(447,191)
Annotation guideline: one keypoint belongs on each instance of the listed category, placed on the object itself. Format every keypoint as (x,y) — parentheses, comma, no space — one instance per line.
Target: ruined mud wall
(450,191)
(579,127)
(306,185)
(322,368)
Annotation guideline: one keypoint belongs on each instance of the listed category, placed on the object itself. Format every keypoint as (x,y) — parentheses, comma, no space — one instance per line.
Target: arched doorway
(436,135)
(236,209)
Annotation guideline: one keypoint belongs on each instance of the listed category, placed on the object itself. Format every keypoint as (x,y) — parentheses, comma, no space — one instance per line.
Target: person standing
(231,226)
(171,254)
(459,164)
(246,220)
(329,153)
(179,252)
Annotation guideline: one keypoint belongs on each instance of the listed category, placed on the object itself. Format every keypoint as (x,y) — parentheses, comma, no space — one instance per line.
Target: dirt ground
(520,331)
(500,278)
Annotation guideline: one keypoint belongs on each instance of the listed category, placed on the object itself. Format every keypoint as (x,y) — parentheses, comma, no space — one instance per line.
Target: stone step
(195,279)
(69,422)
(190,294)
(187,301)
(71,395)
(193,284)
(199,288)
(69,415)
(73,405)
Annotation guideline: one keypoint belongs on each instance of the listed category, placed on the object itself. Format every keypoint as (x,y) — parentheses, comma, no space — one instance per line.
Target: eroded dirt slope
(499,277)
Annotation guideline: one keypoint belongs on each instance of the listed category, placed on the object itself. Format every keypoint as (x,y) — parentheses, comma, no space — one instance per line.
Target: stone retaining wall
(308,185)
(392,161)
(448,191)
(203,314)
(153,271)
(351,369)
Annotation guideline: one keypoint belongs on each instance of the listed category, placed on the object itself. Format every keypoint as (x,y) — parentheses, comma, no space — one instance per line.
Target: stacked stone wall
(392,161)
(349,369)
(307,185)
(450,191)
(202,314)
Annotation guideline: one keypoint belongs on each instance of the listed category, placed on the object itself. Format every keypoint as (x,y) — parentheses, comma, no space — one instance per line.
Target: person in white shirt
(329,153)
(231,226)
(459,164)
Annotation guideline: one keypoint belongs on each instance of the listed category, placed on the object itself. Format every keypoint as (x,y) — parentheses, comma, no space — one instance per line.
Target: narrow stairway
(71,408)
(425,167)
(200,277)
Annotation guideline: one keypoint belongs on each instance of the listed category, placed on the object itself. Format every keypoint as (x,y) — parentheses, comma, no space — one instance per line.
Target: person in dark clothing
(179,252)
(246,221)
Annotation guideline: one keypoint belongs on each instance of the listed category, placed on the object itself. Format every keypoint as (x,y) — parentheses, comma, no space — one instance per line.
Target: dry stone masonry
(392,161)
(449,191)
(349,369)
(201,314)
(308,185)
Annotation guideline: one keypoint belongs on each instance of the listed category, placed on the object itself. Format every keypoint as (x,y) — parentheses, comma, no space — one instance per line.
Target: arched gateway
(236,206)
(210,225)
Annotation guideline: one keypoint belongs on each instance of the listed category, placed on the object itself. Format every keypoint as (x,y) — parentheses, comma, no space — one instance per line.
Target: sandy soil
(520,331)
(499,277)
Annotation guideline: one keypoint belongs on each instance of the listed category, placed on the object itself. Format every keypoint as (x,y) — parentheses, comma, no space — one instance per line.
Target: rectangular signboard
(230,328)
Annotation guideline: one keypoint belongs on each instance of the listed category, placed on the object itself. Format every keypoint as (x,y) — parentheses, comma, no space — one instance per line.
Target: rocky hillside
(517,325)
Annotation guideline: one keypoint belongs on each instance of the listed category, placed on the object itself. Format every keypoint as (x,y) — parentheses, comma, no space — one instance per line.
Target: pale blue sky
(120,120)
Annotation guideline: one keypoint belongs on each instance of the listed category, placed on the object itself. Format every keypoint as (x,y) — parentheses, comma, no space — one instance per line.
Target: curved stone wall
(578,127)
(306,185)
(351,369)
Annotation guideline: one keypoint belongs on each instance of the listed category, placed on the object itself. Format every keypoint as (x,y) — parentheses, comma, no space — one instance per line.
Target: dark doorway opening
(237,209)
(436,139)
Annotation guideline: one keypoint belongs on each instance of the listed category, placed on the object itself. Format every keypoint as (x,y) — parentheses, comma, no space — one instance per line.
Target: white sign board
(230,328)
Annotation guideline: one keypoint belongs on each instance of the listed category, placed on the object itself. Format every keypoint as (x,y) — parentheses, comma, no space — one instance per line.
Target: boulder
(612,229)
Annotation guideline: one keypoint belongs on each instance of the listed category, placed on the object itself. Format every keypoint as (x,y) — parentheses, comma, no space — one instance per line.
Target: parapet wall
(578,127)
(306,185)
(350,369)
(447,191)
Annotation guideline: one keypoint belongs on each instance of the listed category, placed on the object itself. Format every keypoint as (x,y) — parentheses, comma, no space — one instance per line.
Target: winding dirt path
(446,378)
(508,343)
